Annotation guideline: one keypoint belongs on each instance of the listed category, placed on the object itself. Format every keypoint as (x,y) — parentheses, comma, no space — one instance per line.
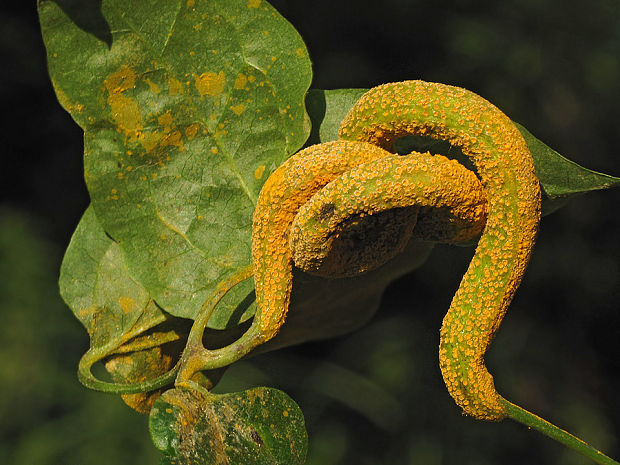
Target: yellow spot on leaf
(210,84)
(149,140)
(125,110)
(300,52)
(152,86)
(165,119)
(191,3)
(251,78)
(121,80)
(240,81)
(253,3)
(238,109)
(214,150)
(175,86)
(174,138)
(259,172)
(127,304)
(192,130)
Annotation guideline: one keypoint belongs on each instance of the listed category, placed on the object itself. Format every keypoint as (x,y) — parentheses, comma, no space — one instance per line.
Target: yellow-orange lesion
(511,208)
(506,170)
(366,216)
(284,192)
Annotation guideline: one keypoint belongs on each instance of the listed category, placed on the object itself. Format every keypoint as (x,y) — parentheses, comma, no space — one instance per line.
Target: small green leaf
(261,426)
(187,107)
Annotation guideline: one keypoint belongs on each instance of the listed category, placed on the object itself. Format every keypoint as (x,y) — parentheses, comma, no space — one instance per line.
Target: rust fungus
(357,179)
(210,84)
(506,170)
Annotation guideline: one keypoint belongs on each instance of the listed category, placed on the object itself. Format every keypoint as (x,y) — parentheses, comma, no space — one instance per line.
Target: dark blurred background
(375,396)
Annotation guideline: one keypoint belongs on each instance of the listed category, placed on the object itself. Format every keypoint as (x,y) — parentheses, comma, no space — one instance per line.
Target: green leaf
(261,426)
(560,178)
(96,285)
(187,108)
(327,108)
(143,341)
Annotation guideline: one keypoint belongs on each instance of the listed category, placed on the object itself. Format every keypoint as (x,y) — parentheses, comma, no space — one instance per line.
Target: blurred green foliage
(377,396)
(48,418)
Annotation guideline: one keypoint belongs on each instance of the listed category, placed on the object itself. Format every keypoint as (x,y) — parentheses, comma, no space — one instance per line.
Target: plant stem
(195,357)
(534,421)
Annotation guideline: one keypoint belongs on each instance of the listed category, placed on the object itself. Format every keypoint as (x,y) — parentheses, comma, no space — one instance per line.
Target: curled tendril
(94,355)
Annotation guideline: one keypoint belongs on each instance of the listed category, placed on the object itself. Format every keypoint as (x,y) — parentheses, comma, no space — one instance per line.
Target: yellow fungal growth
(240,81)
(366,216)
(127,304)
(154,88)
(165,119)
(174,86)
(328,233)
(192,130)
(210,84)
(258,172)
(506,170)
(125,110)
(284,192)
(238,109)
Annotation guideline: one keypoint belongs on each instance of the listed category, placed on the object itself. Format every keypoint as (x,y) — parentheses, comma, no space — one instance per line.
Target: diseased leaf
(560,178)
(96,285)
(140,366)
(116,310)
(187,109)
(261,426)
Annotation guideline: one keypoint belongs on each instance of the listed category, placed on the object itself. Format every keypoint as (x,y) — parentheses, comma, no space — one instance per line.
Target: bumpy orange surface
(506,170)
